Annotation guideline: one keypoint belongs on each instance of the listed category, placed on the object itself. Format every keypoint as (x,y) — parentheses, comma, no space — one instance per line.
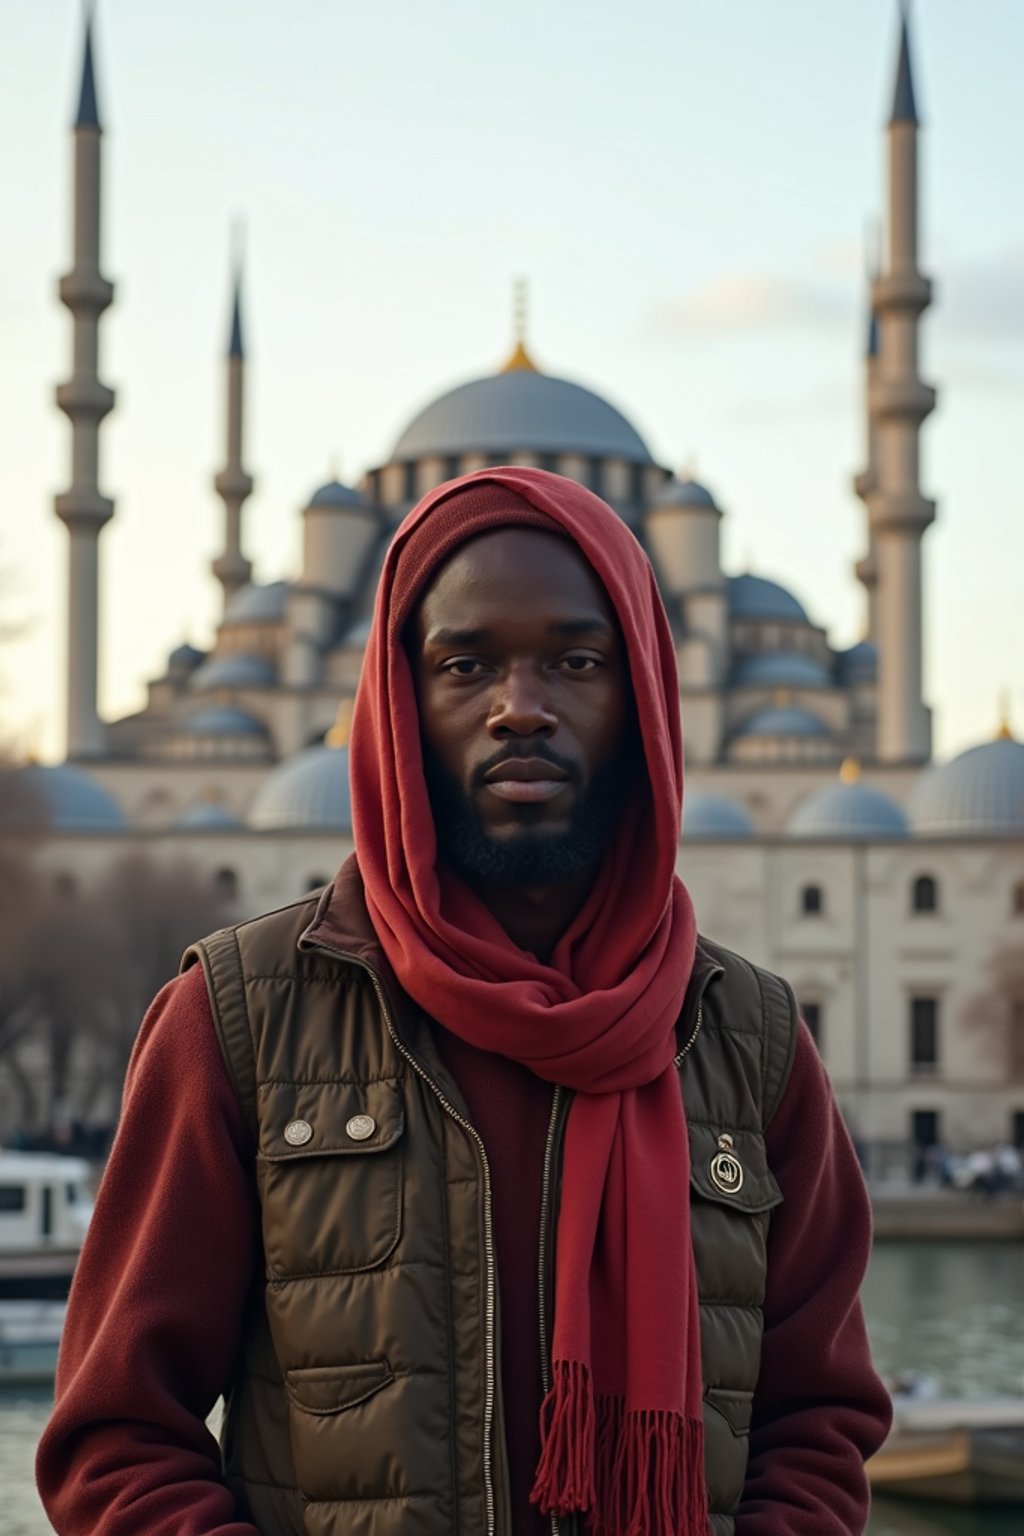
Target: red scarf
(621,1434)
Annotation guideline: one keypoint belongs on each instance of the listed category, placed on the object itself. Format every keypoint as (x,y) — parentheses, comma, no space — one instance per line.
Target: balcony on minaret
(84,505)
(233,484)
(84,398)
(907,511)
(901,289)
(85,291)
(900,398)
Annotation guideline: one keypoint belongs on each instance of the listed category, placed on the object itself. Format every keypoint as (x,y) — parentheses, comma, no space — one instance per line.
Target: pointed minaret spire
(904,107)
(233,484)
(88,114)
(899,403)
(85,401)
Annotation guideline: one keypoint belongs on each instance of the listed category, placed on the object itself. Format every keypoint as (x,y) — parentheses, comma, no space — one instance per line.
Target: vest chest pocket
(732,1195)
(329,1174)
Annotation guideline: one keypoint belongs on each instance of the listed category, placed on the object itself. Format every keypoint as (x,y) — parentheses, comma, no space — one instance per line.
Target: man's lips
(525,779)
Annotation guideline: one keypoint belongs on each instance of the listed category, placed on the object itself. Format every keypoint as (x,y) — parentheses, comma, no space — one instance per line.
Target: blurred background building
(820,838)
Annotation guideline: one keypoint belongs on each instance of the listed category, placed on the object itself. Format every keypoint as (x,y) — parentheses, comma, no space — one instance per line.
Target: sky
(686,188)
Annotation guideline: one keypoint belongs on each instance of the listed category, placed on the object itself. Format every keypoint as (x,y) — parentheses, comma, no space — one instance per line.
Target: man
(492,1199)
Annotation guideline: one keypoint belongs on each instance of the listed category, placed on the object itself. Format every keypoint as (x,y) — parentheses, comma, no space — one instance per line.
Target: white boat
(44,1212)
(953,1451)
(29,1339)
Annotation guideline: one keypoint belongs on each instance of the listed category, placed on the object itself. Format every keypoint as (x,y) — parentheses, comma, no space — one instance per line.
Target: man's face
(525,708)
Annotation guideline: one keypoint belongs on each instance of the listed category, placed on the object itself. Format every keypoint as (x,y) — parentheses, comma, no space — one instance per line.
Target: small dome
(60,798)
(851,811)
(755,597)
(780,669)
(684,493)
(224,720)
(982,790)
(783,720)
(254,604)
(309,790)
(207,816)
(714,816)
(334,494)
(235,670)
(859,664)
(521,411)
(184,658)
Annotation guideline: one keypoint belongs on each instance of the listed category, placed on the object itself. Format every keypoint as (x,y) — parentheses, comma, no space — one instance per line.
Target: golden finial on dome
(520,361)
(849,773)
(340,731)
(1005,730)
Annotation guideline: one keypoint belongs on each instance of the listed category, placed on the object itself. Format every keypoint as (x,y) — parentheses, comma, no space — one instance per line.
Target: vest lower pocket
(324,1389)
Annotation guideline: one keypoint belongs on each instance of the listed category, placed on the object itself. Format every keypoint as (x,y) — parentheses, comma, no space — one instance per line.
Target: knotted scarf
(621,1433)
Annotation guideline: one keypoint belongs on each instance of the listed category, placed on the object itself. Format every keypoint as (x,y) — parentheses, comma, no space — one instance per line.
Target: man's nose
(522,705)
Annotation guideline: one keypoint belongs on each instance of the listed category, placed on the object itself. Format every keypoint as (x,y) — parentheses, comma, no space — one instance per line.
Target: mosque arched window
(812,901)
(1018,899)
(924,894)
(225,883)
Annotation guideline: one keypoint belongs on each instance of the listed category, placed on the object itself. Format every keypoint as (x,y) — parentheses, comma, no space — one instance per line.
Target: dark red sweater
(153,1321)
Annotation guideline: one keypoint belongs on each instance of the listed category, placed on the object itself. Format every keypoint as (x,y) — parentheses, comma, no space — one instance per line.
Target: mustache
(538,751)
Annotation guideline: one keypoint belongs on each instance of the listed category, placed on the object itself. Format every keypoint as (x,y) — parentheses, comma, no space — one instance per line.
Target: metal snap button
(298,1132)
(725,1168)
(360,1127)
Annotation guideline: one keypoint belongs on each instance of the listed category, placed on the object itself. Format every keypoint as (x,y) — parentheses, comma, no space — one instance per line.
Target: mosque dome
(783,720)
(520,410)
(714,817)
(980,791)
(334,494)
(848,810)
(237,669)
(685,493)
(62,798)
(309,790)
(224,720)
(859,664)
(207,816)
(780,669)
(184,658)
(755,597)
(253,604)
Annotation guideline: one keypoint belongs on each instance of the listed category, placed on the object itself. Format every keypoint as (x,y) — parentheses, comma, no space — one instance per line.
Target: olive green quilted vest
(367,1396)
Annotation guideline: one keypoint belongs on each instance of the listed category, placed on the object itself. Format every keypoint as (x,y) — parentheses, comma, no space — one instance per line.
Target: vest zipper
(490,1267)
(696,1031)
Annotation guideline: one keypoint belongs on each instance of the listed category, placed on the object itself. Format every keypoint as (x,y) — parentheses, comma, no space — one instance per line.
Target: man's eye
(580,663)
(463,666)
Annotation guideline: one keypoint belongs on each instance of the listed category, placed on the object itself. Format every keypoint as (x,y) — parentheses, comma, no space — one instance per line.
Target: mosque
(819,836)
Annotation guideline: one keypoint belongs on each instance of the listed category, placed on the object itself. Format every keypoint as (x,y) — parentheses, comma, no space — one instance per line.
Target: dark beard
(535,855)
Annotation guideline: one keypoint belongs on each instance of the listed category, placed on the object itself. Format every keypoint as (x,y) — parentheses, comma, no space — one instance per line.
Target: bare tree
(997,1012)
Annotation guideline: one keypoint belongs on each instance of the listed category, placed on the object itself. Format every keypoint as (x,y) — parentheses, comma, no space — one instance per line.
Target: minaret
(900,402)
(866,568)
(233,485)
(85,402)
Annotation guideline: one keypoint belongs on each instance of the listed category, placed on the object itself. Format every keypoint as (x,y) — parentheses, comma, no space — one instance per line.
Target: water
(955,1311)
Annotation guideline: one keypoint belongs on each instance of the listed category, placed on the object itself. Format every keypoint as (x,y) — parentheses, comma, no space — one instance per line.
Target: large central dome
(520,411)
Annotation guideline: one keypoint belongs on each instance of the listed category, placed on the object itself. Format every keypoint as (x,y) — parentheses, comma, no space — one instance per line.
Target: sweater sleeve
(820,1410)
(154,1315)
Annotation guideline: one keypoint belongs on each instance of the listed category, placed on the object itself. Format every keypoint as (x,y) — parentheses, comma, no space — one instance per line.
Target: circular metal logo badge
(297,1132)
(360,1127)
(726,1173)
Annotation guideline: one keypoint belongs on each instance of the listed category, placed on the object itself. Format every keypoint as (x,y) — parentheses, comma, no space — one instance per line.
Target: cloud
(745,302)
(832,397)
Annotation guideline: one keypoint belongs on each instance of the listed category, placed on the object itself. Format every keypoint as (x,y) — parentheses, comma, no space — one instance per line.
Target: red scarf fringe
(636,1472)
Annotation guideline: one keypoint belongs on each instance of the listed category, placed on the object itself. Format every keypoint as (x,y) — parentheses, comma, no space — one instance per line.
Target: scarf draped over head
(621,1436)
